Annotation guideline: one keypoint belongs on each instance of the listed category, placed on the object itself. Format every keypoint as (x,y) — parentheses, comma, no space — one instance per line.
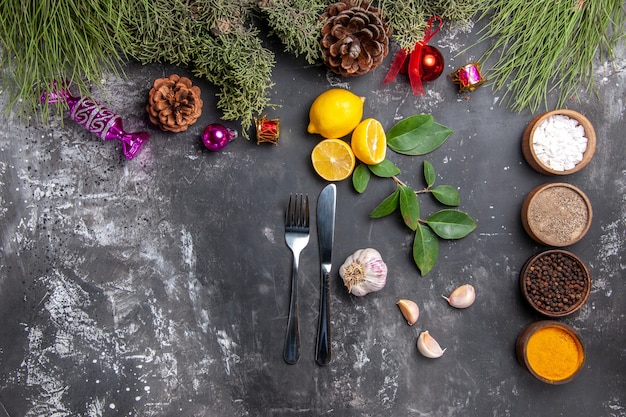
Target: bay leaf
(409,207)
(387,206)
(428,142)
(385,169)
(406,134)
(425,249)
(451,224)
(360,178)
(446,194)
(429,174)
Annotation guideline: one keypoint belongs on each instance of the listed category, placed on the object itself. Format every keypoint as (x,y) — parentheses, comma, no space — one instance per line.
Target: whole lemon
(335,113)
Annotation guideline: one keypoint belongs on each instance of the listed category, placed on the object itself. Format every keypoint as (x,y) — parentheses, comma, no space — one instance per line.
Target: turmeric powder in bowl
(551,351)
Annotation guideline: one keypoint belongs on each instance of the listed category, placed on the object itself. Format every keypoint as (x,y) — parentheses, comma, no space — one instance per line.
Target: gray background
(159,286)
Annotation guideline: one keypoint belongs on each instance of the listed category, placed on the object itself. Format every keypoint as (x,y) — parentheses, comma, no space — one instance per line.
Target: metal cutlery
(326,206)
(296,237)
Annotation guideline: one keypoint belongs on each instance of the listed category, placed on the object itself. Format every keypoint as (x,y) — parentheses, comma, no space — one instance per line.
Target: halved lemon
(369,142)
(333,159)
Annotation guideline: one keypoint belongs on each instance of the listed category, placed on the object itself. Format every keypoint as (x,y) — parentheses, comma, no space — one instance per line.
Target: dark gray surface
(160,286)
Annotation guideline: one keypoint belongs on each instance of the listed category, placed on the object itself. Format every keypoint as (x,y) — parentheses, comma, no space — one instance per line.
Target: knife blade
(326,205)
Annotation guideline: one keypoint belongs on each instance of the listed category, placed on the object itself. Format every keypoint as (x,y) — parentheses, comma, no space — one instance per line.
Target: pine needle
(545,46)
(50,41)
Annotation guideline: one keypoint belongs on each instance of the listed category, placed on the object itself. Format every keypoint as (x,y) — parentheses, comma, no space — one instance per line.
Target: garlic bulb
(428,346)
(363,272)
(462,297)
(409,310)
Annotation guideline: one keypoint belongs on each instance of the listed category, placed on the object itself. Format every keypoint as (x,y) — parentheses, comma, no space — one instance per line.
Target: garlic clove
(462,297)
(428,346)
(409,310)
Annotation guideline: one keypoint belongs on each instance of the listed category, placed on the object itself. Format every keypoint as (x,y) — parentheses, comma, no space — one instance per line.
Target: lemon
(369,142)
(333,159)
(335,113)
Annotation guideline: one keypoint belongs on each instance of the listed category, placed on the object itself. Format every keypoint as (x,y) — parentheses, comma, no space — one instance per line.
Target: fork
(296,237)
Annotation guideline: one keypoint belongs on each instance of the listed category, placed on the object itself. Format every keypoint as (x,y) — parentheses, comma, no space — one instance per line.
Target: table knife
(326,205)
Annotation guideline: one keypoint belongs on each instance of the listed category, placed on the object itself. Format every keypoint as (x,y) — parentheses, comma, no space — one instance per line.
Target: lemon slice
(333,159)
(369,142)
(335,113)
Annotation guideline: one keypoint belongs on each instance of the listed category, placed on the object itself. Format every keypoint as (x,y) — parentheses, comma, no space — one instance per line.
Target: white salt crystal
(559,142)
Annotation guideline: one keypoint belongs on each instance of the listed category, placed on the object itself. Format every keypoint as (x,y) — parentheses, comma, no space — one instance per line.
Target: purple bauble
(216,136)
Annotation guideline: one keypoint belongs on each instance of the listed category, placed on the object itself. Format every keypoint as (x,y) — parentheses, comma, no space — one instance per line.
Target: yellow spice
(553,353)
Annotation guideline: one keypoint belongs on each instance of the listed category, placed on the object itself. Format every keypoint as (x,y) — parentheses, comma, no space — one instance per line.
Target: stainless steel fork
(296,237)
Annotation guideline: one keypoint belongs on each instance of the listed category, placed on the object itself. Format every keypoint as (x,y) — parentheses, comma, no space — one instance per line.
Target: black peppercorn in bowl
(556,283)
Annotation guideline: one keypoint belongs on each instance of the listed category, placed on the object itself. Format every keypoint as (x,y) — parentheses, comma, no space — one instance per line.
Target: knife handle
(322,350)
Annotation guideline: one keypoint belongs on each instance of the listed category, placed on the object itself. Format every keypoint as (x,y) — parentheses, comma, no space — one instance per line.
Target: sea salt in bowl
(559,142)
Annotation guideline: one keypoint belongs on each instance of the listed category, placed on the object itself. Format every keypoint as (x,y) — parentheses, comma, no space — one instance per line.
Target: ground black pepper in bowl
(556,283)
(556,214)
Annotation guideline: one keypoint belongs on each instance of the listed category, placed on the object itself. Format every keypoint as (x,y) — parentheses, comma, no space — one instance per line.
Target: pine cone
(355,39)
(174,104)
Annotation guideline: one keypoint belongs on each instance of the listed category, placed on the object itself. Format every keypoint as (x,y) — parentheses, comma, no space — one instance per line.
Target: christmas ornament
(98,120)
(468,77)
(425,62)
(267,130)
(429,65)
(174,104)
(355,38)
(216,136)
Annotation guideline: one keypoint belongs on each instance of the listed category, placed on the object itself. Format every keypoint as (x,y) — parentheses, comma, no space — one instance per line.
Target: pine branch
(238,62)
(457,11)
(406,19)
(161,30)
(296,23)
(212,38)
(531,62)
(48,41)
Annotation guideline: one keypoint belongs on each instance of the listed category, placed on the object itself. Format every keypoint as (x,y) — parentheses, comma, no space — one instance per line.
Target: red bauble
(423,64)
(431,64)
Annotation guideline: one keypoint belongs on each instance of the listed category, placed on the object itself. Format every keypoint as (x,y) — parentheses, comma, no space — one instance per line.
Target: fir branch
(235,59)
(457,11)
(531,62)
(220,15)
(297,24)
(406,19)
(238,62)
(161,30)
(212,38)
